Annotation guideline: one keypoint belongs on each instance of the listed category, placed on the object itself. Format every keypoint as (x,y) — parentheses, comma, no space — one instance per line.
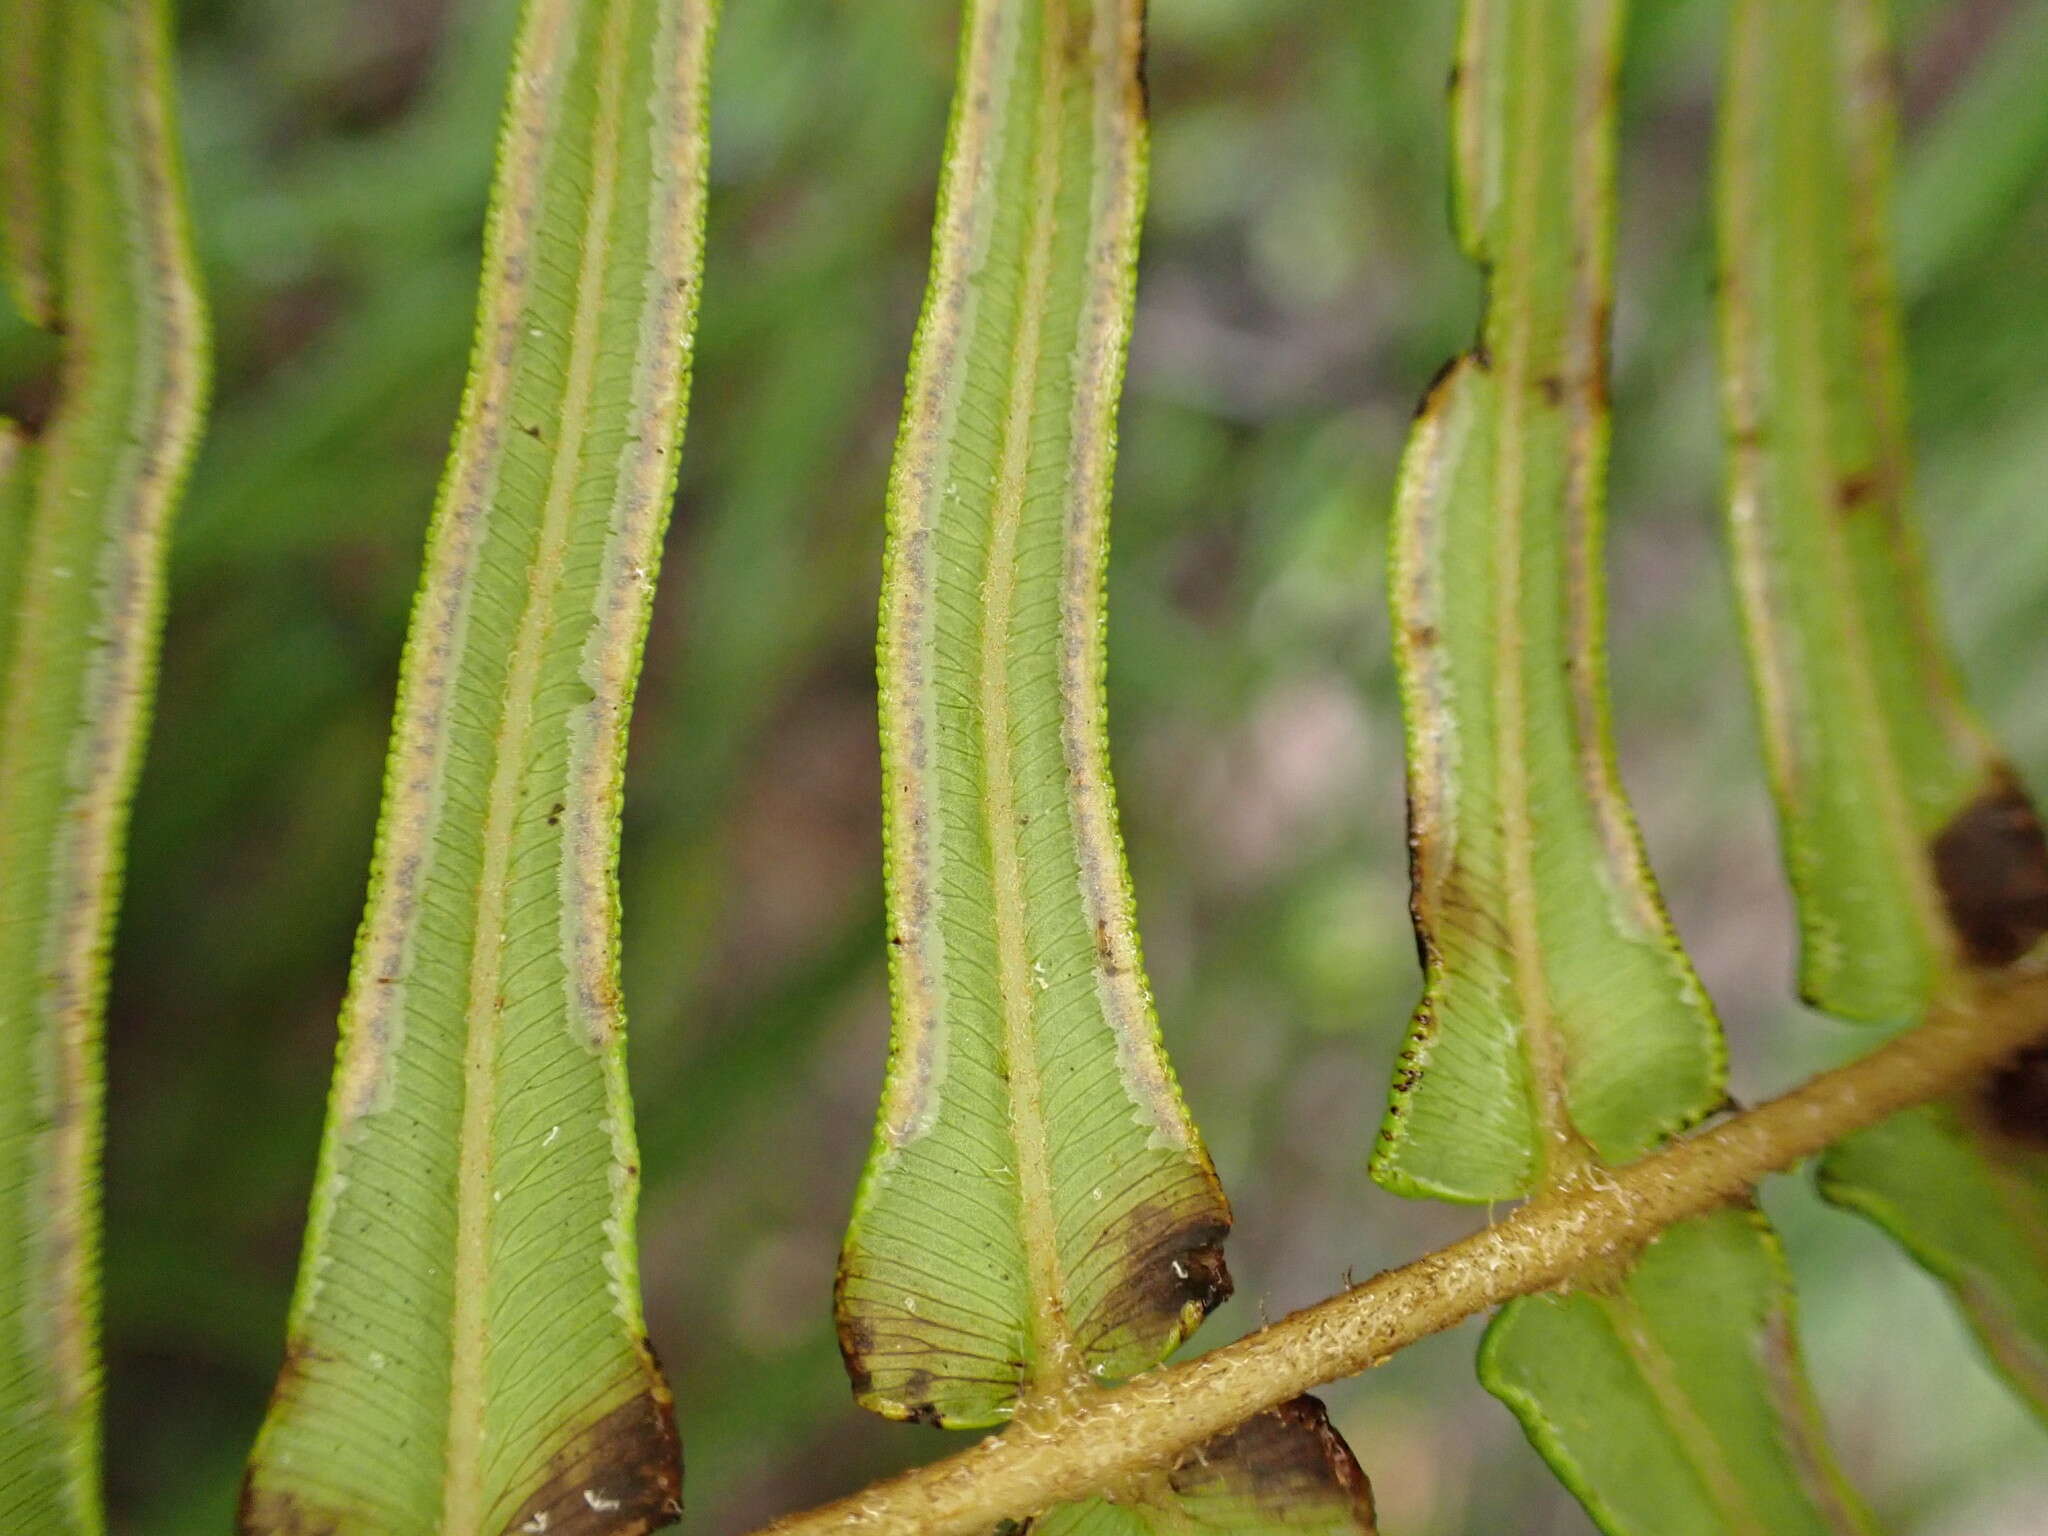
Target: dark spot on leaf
(1551,387)
(2015,1098)
(532,432)
(918,1408)
(1290,1460)
(1105,949)
(1856,490)
(555,814)
(924,1412)
(1991,863)
(621,1476)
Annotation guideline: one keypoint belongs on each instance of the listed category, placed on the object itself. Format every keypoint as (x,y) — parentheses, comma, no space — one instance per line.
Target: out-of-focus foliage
(1914,851)
(1890,796)
(1298,285)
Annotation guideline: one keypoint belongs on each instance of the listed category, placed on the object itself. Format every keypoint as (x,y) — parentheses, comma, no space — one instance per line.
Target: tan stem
(1148,1421)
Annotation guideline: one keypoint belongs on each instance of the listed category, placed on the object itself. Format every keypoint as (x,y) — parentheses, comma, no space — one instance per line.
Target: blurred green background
(1299,287)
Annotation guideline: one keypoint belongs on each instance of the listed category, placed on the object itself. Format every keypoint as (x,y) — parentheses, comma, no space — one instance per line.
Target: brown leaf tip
(904,1392)
(622,1476)
(1175,1276)
(1991,863)
(1291,1457)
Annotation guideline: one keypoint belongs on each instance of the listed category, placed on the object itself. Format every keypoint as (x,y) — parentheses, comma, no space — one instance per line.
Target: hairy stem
(1121,1432)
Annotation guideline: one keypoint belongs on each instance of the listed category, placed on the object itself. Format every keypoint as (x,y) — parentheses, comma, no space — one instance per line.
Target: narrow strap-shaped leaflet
(1562,1027)
(1672,1401)
(86,134)
(466,1353)
(1916,858)
(1038,1212)
(1963,1186)
(1560,1020)
(1911,848)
